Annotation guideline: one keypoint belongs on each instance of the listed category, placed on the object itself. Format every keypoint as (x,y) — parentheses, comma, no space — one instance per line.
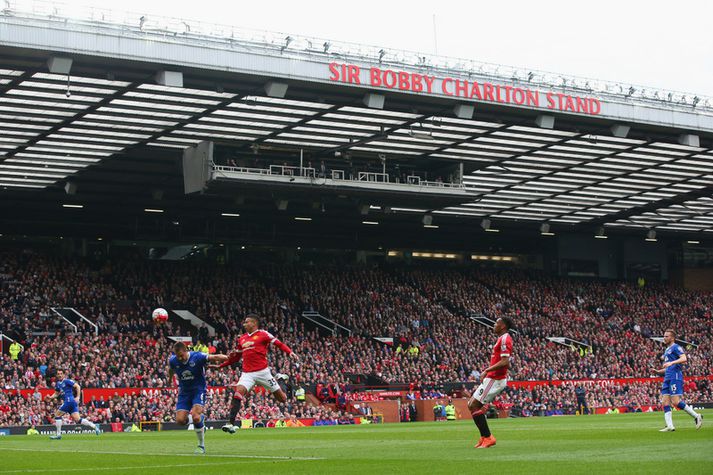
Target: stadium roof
(110,127)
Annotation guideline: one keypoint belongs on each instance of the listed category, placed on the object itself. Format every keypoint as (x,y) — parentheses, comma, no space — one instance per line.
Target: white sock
(88,423)
(668,417)
(200,433)
(58,425)
(690,411)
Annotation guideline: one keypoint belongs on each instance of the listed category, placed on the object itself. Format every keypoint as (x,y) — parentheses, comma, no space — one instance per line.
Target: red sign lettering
(462,88)
(348,73)
(445,87)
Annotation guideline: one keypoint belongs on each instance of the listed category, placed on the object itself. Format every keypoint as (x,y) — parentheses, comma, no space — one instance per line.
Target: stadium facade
(99,108)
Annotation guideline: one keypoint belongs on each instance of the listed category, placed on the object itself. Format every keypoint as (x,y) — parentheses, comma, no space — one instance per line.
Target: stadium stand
(431,314)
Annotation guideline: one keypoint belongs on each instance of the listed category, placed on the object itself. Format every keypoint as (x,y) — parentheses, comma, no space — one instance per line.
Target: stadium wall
(612,256)
(424,408)
(693,279)
(389,409)
(598,382)
(219,53)
(107,393)
(47,429)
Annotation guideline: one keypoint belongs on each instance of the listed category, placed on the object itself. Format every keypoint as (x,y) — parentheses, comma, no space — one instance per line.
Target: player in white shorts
(488,390)
(494,382)
(262,378)
(252,349)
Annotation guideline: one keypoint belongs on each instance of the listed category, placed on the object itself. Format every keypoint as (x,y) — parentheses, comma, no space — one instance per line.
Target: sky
(660,44)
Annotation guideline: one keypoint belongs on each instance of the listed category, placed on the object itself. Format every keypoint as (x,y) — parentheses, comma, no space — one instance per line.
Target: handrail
(311,313)
(4,336)
(65,319)
(96,327)
(372,176)
(337,175)
(332,330)
(227,168)
(286,170)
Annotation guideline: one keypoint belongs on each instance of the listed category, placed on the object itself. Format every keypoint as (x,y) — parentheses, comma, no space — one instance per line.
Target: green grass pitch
(627,443)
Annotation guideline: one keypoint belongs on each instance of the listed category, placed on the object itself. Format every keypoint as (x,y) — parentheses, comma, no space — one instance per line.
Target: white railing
(568,342)
(336,175)
(440,184)
(324,322)
(416,180)
(5,337)
(72,309)
(683,343)
(309,317)
(194,320)
(485,321)
(96,327)
(371,176)
(286,170)
(257,171)
(74,327)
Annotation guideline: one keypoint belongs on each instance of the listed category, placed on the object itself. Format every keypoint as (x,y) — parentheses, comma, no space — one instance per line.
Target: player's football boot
(487,442)
(55,437)
(229,428)
(480,442)
(699,421)
(667,429)
(200,450)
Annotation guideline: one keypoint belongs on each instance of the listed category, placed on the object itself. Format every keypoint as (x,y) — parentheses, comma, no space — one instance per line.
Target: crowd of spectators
(612,322)
(155,405)
(434,317)
(562,400)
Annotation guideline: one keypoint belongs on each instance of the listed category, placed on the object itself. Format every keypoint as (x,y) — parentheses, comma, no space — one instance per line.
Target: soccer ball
(160,316)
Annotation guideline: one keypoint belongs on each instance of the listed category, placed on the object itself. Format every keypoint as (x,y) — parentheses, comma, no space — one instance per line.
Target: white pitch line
(134,467)
(106,452)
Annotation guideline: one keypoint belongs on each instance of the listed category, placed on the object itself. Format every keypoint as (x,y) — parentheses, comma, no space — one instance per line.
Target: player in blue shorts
(68,392)
(672,389)
(189,367)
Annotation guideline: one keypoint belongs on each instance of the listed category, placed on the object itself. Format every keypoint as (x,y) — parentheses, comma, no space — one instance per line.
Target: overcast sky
(662,44)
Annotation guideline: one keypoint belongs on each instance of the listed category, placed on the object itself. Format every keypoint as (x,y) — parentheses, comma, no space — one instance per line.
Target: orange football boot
(487,442)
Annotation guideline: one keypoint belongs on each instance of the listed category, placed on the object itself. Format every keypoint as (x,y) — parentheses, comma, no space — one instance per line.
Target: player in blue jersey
(69,392)
(189,367)
(672,389)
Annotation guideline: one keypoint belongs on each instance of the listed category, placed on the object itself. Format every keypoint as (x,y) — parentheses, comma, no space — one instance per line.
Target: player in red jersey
(494,381)
(252,349)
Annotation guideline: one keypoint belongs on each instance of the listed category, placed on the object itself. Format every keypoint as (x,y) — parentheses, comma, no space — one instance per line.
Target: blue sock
(200,424)
(667,409)
(681,405)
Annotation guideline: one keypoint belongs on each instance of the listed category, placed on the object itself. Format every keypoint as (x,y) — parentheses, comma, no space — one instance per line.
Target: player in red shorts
(494,381)
(252,349)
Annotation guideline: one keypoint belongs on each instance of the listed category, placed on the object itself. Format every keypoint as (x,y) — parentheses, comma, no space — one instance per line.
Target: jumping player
(189,367)
(494,381)
(69,392)
(672,389)
(252,349)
